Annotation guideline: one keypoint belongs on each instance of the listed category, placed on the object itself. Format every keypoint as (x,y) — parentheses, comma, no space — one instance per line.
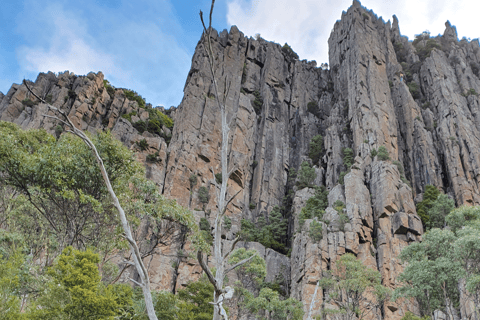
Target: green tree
(315,206)
(13,270)
(441,207)
(315,148)
(76,291)
(382,153)
(432,273)
(430,195)
(306,175)
(347,284)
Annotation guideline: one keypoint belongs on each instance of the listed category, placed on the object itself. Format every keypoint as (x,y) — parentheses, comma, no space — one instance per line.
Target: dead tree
(219,260)
(137,258)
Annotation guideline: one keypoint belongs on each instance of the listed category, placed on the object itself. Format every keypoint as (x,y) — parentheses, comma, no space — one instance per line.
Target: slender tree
(219,259)
(137,258)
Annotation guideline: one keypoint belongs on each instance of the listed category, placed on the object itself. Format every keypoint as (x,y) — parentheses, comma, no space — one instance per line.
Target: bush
(316,231)
(48,98)
(129,115)
(343,221)
(315,148)
(431,194)
(312,107)
(306,175)
(193,180)
(110,89)
(383,154)
(152,157)
(58,130)
(227,223)
(133,96)
(373,153)
(341,177)
(258,102)
(28,103)
(347,157)
(218,178)
(315,206)
(141,126)
(414,89)
(288,52)
(252,206)
(142,144)
(203,194)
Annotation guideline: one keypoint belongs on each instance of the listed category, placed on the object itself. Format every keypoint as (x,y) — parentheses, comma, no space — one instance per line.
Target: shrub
(133,96)
(383,154)
(431,194)
(28,103)
(339,206)
(140,125)
(315,150)
(110,89)
(316,231)
(343,221)
(193,180)
(373,153)
(218,178)
(315,206)
(341,177)
(129,115)
(258,102)
(312,107)
(414,90)
(142,144)
(203,194)
(306,175)
(227,223)
(152,157)
(48,98)
(252,206)
(58,130)
(347,157)
(204,224)
(288,52)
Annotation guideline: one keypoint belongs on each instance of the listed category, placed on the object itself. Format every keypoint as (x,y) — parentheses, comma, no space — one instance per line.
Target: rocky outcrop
(416,99)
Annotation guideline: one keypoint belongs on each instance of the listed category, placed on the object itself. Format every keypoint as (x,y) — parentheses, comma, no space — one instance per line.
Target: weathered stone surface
(364,101)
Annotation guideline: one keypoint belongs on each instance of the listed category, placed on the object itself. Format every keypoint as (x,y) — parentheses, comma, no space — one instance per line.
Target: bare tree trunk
(137,258)
(219,259)
(312,303)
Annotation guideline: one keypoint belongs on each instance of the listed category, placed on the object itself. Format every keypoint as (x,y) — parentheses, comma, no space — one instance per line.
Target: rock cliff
(416,99)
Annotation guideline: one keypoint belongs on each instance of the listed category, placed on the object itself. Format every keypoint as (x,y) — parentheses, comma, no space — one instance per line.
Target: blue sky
(147,46)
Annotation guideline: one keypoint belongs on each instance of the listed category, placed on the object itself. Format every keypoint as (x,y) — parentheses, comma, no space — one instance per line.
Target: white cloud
(67,48)
(136,47)
(306,24)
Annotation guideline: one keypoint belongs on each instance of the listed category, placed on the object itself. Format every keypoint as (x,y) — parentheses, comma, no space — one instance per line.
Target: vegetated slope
(394,116)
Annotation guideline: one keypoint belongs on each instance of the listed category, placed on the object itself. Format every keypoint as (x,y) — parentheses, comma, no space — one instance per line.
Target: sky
(147,46)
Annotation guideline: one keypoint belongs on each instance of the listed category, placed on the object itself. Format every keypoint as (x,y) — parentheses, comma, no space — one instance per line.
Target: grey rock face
(380,91)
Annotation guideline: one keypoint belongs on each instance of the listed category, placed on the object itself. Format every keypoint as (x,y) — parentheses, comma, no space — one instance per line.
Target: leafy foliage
(441,207)
(382,154)
(306,175)
(288,52)
(76,291)
(257,102)
(315,206)
(347,282)
(271,235)
(316,231)
(203,194)
(430,195)
(315,148)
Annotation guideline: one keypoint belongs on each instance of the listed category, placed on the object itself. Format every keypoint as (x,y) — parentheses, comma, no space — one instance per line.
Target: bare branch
(230,200)
(206,269)
(237,239)
(138,284)
(238,264)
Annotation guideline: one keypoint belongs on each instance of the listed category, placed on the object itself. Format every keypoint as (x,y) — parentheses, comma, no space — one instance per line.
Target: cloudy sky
(147,46)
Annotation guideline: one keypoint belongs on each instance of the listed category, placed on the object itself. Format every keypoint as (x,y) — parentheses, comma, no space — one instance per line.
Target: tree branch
(238,264)
(232,248)
(206,269)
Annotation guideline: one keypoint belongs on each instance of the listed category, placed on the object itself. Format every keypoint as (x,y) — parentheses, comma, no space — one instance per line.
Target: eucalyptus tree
(159,207)
(220,259)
